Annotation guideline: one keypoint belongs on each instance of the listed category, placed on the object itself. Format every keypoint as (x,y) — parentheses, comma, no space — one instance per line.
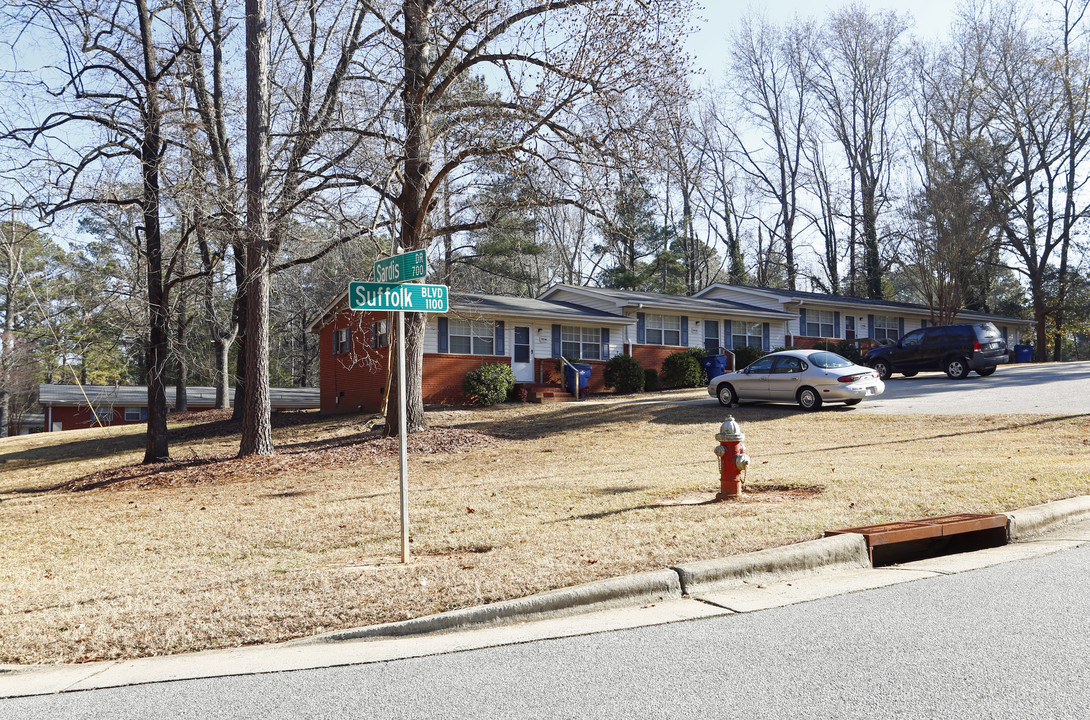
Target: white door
(522,357)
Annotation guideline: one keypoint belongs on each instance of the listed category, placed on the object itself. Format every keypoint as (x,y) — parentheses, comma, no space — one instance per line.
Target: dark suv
(954,349)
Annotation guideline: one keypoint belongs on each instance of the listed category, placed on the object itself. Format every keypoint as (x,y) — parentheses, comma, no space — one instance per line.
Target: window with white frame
(886,326)
(746,333)
(663,330)
(102,414)
(819,323)
(471,337)
(136,414)
(581,343)
(342,341)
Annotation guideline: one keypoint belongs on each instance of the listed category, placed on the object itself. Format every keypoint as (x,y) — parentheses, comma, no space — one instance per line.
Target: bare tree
(859,76)
(772,68)
(561,73)
(107,89)
(721,195)
(1036,124)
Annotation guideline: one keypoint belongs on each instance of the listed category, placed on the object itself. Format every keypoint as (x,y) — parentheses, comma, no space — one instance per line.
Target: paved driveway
(1050,388)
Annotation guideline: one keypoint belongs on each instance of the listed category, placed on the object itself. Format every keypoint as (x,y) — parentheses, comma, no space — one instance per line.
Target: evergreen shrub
(624,374)
(683,370)
(489,384)
(745,355)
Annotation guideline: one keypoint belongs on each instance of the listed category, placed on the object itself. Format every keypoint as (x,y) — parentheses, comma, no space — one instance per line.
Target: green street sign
(401,268)
(410,297)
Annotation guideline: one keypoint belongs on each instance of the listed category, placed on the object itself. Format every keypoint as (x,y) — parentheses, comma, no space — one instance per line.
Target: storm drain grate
(895,542)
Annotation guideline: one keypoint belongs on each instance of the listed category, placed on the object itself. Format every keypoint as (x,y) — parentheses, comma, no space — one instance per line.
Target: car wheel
(726,395)
(957,368)
(885,370)
(909,374)
(985,371)
(809,399)
(853,402)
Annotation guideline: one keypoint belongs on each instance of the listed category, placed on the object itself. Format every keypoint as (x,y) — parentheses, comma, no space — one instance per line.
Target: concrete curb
(648,587)
(837,552)
(1037,519)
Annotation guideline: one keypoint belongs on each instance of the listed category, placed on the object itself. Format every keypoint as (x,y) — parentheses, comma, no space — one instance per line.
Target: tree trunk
(181,366)
(240,312)
(156,449)
(256,420)
(871,262)
(222,348)
(8,348)
(418,174)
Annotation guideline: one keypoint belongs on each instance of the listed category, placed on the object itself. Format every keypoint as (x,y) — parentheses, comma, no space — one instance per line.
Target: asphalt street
(1053,388)
(1008,640)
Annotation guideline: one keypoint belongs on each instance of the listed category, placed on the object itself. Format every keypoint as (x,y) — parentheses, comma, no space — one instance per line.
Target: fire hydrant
(733,460)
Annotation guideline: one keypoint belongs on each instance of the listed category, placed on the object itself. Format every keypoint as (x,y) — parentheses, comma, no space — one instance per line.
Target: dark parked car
(953,349)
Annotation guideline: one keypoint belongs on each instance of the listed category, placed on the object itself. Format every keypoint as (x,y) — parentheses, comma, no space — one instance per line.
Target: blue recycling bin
(714,366)
(1023,353)
(584,376)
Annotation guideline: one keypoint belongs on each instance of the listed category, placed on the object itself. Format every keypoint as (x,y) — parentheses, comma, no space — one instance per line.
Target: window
(761,365)
(746,333)
(379,338)
(582,343)
(886,327)
(342,341)
(102,414)
(471,337)
(819,323)
(663,330)
(786,364)
(136,414)
(913,339)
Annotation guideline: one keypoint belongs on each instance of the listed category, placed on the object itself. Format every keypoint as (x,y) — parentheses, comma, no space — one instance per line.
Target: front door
(522,361)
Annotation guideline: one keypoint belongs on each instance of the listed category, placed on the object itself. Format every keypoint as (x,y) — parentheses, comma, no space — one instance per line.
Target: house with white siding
(591,325)
(816,317)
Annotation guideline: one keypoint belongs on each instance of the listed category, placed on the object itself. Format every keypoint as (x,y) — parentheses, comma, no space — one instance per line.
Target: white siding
(541,336)
(595,303)
(761,301)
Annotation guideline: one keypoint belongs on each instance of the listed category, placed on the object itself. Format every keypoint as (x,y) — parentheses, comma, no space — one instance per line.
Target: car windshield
(829,360)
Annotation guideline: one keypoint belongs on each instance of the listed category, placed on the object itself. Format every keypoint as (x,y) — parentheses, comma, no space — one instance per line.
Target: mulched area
(365,447)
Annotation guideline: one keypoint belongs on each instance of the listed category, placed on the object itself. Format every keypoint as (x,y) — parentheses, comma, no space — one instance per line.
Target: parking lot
(1049,388)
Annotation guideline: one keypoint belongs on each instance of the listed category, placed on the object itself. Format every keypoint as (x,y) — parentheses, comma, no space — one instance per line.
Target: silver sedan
(808,377)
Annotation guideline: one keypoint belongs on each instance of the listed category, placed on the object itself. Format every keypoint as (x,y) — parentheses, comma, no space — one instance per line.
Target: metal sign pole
(402,440)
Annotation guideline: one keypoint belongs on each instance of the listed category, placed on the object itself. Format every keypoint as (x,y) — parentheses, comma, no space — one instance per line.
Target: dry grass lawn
(104,558)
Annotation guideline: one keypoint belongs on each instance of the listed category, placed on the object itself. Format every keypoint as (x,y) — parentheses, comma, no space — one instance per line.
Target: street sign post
(410,297)
(402,268)
(390,294)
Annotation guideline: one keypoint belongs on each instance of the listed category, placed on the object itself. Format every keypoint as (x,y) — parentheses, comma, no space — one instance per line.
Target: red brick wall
(354,381)
(72,418)
(545,371)
(651,356)
(444,373)
(805,343)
